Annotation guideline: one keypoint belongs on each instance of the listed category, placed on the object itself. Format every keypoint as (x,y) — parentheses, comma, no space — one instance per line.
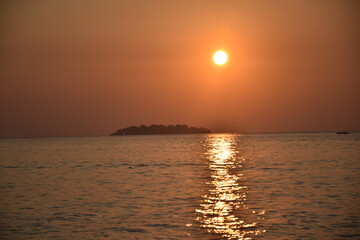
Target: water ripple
(222,210)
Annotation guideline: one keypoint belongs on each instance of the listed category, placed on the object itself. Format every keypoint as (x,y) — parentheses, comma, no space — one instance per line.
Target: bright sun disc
(220,57)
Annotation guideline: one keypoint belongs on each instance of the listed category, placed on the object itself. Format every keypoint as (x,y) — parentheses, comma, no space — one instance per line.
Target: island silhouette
(160,129)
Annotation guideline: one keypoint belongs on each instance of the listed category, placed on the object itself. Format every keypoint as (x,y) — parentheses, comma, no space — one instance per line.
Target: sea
(204,186)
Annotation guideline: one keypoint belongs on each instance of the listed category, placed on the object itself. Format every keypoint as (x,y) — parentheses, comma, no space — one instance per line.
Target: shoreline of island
(160,129)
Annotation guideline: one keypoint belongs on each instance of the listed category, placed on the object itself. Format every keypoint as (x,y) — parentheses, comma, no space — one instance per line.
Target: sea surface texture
(212,186)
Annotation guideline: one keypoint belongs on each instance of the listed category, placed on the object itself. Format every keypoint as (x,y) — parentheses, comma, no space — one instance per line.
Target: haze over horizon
(84,68)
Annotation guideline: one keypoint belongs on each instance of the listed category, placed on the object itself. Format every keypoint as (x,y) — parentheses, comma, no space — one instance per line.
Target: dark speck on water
(204,186)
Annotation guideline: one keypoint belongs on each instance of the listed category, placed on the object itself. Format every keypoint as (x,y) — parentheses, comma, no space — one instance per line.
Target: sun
(220,57)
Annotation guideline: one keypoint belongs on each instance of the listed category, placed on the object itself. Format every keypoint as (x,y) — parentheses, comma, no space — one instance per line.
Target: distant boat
(342,132)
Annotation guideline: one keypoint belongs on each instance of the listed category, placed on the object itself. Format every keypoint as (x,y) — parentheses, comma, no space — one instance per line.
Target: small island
(160,129)
(342,132)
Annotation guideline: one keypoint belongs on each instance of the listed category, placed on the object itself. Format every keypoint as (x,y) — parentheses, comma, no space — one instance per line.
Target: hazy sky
(70,68)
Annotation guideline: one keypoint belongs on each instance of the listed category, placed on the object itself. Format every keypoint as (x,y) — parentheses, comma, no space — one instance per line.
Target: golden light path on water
(223,210)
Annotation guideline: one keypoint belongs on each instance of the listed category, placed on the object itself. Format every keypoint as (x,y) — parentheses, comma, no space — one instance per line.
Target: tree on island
(160,129)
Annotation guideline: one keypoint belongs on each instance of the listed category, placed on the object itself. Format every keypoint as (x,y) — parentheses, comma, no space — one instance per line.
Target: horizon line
(109,135)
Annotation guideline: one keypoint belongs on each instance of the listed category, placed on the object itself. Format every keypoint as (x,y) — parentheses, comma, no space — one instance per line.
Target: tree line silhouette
(160,129)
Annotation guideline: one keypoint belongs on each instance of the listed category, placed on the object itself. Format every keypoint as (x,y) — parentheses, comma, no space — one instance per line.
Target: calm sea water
(216,186)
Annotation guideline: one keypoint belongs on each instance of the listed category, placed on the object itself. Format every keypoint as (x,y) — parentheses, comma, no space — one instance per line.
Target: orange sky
(75,68)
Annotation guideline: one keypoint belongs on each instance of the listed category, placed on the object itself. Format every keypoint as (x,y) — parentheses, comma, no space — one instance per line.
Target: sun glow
(220,57)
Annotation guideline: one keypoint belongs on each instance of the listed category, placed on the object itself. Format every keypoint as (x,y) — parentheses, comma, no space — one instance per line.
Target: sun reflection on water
(222,209)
